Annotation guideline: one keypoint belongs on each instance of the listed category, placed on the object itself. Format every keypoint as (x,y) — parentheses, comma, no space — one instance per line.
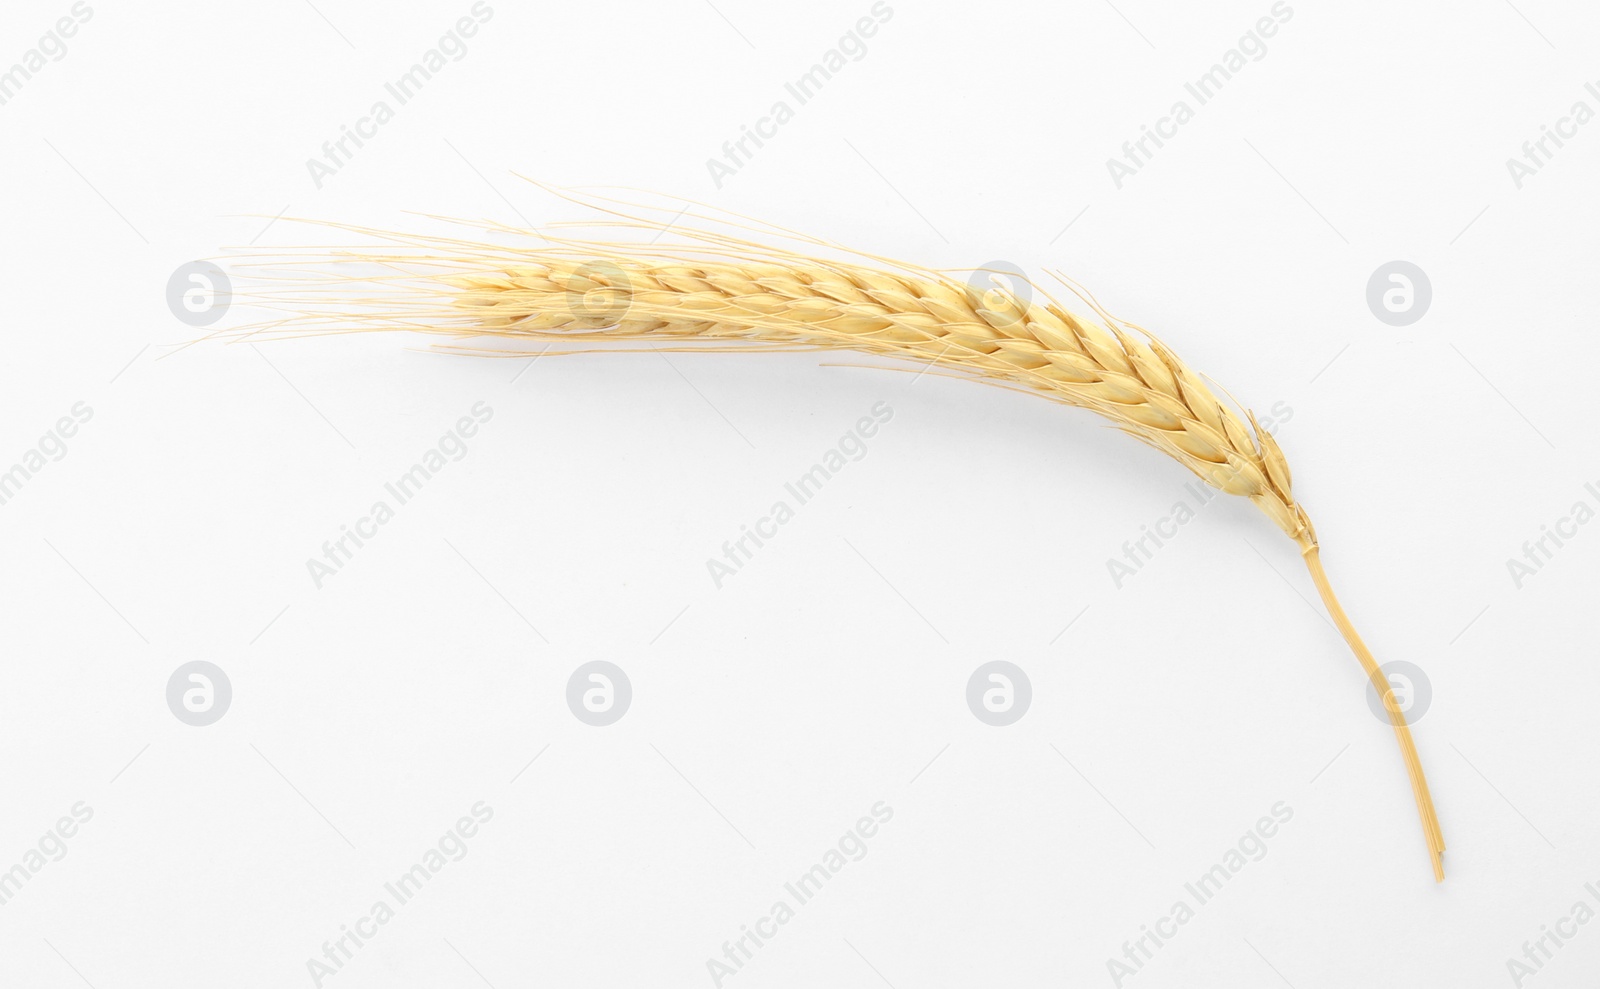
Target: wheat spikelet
(718,291)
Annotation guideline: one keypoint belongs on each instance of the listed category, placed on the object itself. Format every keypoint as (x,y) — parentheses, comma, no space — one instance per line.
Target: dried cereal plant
(719,291)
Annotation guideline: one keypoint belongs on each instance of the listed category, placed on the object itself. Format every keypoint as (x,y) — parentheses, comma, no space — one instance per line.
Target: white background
(830,673)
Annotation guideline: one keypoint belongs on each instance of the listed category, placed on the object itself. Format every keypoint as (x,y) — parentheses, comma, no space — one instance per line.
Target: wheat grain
(716,290)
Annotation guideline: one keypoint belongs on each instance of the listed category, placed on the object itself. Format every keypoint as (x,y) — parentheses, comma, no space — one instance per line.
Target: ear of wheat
(713,290)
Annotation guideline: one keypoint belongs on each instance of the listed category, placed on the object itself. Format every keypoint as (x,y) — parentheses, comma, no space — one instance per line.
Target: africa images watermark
(51,847)
(851,847)
(852,446)
(51,448)
(1251,847)
(1553,537)
(451,47)
(1197,495)
(1537,153)
(1251,47)
(1552,938)
(451,448)
(51,47)
(451,847)
(851,47)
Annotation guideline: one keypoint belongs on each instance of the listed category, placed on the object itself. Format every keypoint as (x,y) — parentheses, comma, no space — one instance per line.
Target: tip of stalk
(1419,784)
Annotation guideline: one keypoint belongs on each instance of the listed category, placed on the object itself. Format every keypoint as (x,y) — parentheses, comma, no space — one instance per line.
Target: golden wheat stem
(721,291)
(1402,731)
